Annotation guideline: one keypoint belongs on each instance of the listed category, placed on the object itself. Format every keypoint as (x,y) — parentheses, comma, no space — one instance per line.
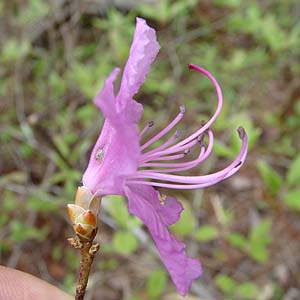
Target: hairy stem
(87,254)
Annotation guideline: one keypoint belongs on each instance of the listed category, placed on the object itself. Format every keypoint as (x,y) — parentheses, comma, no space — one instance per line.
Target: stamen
(183,166)
(168,157)
(218,109)
(164,145)
(198,180)
(174,167)
(149,125)
(186,148)
(165,130)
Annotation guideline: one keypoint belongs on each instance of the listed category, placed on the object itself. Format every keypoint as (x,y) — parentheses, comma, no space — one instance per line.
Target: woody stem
(87,254)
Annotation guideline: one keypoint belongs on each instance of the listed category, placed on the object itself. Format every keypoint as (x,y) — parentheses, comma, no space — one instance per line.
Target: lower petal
(182,269)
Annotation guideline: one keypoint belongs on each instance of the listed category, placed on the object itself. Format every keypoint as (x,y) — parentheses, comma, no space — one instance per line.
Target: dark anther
(200,138)
(241,132)
(186,151)
(150,124)
(203,122)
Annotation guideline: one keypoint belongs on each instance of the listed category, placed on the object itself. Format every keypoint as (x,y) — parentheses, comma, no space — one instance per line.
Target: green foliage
(271,178)
(233,290)
(293,174)
(247,290)
(21,232)
(259,239)
(292,199)
(237,240)
(14,50)
(185,226)
(225,283)
(110,264)
(257,242)
(118,210)
(124,242)
(206,233)
(166,10)
(155,284)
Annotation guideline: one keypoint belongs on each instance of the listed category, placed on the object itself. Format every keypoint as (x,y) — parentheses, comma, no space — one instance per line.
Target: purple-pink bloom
(121,164)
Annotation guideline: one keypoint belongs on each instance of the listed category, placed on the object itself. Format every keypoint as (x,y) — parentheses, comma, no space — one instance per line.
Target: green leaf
(34,202)
(247,290)
(271,178)
(261,232)
(21,232)
(259,240)
(124,242)
(237,240)
(293,174)
(292,199)
(206,233)
(156,283)
(258,252)
(226,284)
(186,224)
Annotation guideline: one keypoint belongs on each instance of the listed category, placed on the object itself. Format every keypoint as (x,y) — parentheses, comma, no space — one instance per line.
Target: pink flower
(119,164)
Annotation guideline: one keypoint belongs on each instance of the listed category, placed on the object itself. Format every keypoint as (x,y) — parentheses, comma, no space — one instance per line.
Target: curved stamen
(226,172)
(186,148)
(145,129)
(178,167)
(165,130)
(189,186)
(183,166)
(163,146)
(218,109)
(169,157)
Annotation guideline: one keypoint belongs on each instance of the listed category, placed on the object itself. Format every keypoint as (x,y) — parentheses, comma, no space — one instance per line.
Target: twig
(88,250)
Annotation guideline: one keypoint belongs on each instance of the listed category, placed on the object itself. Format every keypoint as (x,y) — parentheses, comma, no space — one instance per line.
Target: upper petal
(182,269)
(143,51)
(105,99)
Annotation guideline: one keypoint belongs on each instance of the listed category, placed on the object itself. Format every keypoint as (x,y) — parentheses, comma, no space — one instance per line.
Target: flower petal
(105,99)
(143,51)
(183,270)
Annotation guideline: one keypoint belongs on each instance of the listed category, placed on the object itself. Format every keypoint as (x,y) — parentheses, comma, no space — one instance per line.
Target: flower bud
(83,214)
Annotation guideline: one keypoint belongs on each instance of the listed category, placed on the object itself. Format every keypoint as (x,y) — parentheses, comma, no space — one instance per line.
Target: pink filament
(165,130)
(169,142)
(145,129)
(183,166)
(191,182)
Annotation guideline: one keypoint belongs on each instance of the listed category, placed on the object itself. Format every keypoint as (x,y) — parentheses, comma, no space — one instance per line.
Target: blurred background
(246,230)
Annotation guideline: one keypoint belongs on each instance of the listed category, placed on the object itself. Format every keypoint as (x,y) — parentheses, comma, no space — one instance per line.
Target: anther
(186,151)
(200,138)
(182,109)
(150,124)
(241,132)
